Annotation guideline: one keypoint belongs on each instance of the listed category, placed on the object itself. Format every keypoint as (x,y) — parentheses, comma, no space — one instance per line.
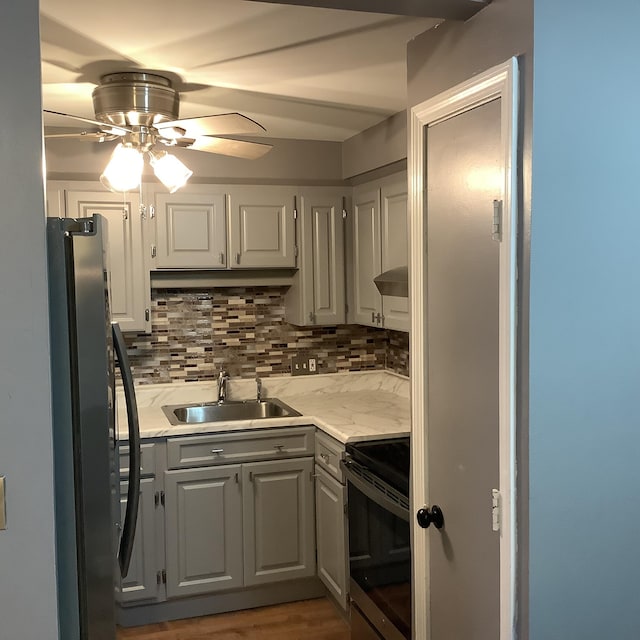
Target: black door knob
(433,516)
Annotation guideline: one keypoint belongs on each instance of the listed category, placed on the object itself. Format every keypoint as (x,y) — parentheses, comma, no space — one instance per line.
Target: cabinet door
(278,510)
(190,231)
(331,535)
(395,240)
(203,513)
(261,227)
(130,284)
(366,306)
(141,581)
(317,295)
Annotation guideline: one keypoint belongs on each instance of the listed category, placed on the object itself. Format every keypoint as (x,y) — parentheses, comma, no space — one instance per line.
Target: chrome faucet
(223,378)
(258,389)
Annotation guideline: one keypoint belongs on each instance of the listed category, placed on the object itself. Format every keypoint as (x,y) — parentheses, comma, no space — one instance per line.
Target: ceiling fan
(142,108)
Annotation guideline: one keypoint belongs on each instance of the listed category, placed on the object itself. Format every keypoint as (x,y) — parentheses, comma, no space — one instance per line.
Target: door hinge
(295,207)
(496,230)
(344,208)
(295,251)
(158,498)
(153,250)
(495,509)
(152,211)
(159,577)
(143,211)
(147,315)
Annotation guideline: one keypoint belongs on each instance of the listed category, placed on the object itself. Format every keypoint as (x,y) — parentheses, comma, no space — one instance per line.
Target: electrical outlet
(303,365)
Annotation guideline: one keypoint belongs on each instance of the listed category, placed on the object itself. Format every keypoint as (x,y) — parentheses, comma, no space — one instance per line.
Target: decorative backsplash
(196,333)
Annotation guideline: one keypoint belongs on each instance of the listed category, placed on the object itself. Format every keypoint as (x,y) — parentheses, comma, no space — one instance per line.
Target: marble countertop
(349,407)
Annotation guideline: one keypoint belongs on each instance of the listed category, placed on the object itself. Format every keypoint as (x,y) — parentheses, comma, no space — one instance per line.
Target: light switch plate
(3,510)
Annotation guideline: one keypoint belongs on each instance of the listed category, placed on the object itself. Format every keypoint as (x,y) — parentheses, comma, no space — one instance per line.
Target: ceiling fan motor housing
(135,99)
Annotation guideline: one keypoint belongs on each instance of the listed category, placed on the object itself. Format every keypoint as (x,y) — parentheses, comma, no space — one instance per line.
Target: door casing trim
(499,82)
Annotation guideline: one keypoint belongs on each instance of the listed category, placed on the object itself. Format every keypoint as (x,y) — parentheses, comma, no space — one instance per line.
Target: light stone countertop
(349,407)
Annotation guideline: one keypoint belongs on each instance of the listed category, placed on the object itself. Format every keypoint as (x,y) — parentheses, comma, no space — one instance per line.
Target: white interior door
(464,177)
(463,180)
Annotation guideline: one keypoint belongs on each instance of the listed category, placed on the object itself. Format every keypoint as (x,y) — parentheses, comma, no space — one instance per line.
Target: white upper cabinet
(191,229)
(366,304)
(261,227)
(378,242)
(395,246)
(317,294)
(130,285)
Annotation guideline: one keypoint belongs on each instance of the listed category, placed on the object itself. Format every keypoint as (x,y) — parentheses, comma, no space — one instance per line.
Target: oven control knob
(433,516)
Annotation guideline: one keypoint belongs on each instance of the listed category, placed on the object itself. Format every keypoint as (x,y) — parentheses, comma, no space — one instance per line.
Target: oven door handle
(373,493)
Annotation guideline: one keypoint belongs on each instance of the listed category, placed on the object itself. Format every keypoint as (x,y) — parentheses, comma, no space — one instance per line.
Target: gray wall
(437,60)
(378,146)
(309,162)
(585,342)
(27,563)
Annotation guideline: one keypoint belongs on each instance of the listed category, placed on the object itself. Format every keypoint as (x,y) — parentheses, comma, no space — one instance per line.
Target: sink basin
(227,411)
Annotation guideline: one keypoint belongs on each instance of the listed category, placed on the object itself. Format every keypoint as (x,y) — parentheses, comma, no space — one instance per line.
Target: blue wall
(584,428)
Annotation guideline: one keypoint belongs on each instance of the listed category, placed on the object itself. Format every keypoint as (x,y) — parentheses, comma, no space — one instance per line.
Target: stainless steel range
(379,539)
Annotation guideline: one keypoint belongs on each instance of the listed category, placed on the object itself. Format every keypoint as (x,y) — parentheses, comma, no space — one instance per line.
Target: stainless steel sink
(227,411)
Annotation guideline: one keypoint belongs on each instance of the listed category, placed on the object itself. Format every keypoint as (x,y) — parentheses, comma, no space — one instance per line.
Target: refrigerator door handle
(133,492)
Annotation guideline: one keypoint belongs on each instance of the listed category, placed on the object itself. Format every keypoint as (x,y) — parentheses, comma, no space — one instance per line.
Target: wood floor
(306,620)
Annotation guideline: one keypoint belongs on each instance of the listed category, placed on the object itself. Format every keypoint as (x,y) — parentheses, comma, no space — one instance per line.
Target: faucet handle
(258,389)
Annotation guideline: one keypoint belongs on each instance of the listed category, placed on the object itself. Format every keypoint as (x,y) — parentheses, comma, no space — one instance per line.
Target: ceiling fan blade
(92,136)
(226,146)
(107,128)
(220,124)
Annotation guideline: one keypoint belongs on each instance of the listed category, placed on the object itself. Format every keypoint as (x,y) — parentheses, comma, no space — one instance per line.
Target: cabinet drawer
(147,458)
(224,448)
(328,454)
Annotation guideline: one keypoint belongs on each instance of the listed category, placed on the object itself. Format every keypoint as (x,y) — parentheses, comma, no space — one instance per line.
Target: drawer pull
(218,451)
(278,447)
(325,458)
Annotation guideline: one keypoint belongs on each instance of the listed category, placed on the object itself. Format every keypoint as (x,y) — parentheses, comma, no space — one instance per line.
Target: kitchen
(561,365)
(186,320)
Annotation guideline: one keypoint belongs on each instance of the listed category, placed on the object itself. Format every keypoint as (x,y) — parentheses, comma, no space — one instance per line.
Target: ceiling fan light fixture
(124,171)
(169,170)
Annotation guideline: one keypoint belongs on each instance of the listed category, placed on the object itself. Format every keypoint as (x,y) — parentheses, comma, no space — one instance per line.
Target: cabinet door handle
(221,258)
(237,258)
(237,478)
(218,451)
(250,476)
(373,317)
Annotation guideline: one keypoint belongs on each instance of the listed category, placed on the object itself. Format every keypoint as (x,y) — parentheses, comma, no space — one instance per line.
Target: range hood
(394,282)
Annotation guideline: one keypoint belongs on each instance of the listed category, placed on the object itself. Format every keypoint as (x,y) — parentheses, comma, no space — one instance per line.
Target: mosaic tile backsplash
(196,333)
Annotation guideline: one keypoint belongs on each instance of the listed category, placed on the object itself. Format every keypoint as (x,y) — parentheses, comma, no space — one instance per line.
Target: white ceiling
(306,73)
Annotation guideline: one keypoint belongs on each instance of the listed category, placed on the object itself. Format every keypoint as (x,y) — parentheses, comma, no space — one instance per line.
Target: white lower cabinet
(220,513)
(203,524)
(278,527)
(331,533)
(331,518)
(141,582)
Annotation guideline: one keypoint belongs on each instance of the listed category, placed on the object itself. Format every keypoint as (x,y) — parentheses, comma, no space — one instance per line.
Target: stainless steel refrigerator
(92,548)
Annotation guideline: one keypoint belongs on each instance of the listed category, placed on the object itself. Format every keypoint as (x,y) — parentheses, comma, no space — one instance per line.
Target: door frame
(500,82)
